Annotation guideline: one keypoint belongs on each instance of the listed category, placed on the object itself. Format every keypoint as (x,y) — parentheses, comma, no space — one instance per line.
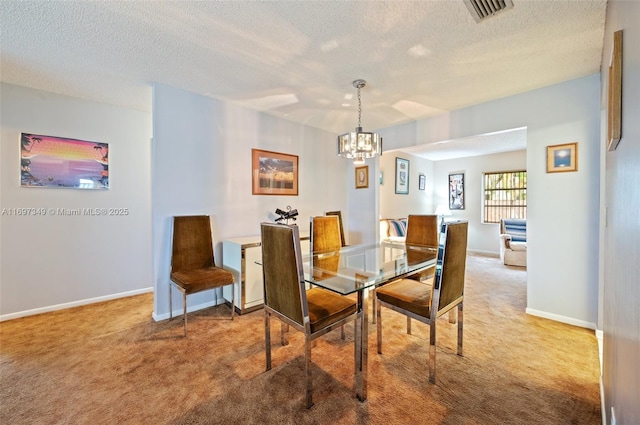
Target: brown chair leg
(460,320)
(184,303)
(267,339)
(378,317)
(307,371)
(432,350)
(170,302)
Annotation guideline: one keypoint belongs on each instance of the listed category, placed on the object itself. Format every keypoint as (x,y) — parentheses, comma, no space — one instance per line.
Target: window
(505,196)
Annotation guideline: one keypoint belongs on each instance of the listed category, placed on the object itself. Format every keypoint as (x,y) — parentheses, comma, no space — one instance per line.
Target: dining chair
(193,267)
(325,233)
(339,215)
(326,238)
(424,302)
(422,230)
(314,311)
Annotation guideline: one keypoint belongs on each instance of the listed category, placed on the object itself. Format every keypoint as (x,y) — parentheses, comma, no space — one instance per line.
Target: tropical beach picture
(274,173)
(48,161)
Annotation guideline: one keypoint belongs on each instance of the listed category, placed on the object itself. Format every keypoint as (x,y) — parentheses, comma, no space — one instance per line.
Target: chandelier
(359,145)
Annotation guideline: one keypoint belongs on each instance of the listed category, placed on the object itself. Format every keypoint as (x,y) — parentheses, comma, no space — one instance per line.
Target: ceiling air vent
(483,9)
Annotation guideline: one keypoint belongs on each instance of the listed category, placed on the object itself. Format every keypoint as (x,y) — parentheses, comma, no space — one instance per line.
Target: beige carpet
(111,363)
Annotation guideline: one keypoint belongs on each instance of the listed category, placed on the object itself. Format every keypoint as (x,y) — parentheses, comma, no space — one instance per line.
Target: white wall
(621,286)
(49,262)
(562,214)
(482,237)
(202,165)
(393,205)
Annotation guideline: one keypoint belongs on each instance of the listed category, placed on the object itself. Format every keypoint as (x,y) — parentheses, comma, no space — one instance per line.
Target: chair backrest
(339,214)
(325,234)
(422,230)
(516,227)
(284,285)
(192,246)
(448,281)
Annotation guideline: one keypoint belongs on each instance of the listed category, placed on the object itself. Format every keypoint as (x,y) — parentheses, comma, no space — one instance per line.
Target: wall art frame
(60,162)
(456,191)
(562,158)
(362,177)
(273,173)
(422,182)
(402,176)
(614,101)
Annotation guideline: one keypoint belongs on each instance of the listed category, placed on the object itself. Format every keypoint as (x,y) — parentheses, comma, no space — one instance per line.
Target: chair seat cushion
(407,294)
(326,307)
(197,280)
(518,246)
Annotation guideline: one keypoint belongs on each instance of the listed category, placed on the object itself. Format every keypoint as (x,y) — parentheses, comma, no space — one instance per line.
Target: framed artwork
(49,161)
(381,178)
(274,173)
(422,181)
(362,177)
(562,158)
(456,191)
(402,176)
(614,106)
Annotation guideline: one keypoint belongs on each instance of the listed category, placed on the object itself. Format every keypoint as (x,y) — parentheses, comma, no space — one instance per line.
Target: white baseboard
(486,253)
(562,319)
(600,338)
(78,303)
(603,405)
(190,308)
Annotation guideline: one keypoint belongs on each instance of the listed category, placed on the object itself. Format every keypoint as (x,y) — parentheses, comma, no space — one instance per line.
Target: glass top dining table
(358,269)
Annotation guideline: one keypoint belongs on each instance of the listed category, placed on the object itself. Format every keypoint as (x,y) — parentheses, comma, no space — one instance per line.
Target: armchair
(513,242)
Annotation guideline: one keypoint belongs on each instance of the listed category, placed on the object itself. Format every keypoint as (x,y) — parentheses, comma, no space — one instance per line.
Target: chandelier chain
(359,109)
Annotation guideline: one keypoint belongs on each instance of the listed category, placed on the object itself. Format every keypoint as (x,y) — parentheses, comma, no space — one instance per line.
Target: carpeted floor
(111,363)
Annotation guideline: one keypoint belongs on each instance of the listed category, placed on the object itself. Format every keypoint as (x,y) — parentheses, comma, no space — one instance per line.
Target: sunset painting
(47,161)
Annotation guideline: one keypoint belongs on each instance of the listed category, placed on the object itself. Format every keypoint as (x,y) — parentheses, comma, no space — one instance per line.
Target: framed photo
(422,181)
(362,177)
(49,161)
(381,178)
(402,176)
(456,191)
(562,158)
(274,173)
(614,106)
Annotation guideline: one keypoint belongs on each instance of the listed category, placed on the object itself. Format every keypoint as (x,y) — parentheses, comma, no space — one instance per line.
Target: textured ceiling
(297,60)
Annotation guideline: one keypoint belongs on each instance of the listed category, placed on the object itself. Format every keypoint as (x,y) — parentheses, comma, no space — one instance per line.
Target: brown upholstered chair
(193,267)
(327,237)
(426,303)
(339,214)
(325,234)
(422,230)
(314,312)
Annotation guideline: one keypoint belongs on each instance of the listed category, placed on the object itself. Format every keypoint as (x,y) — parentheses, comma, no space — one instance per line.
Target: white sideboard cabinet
(241,256)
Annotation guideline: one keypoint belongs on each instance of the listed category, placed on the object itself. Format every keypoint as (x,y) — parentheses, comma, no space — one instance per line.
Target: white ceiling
(297,59)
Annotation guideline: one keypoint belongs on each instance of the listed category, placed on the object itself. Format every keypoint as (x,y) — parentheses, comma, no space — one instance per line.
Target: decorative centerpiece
(287,215)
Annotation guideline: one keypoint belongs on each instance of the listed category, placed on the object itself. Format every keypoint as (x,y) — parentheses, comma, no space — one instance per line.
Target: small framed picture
(381,178)
(402,176)
(362,177)
(561,158)
(456,191)
(422,181)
